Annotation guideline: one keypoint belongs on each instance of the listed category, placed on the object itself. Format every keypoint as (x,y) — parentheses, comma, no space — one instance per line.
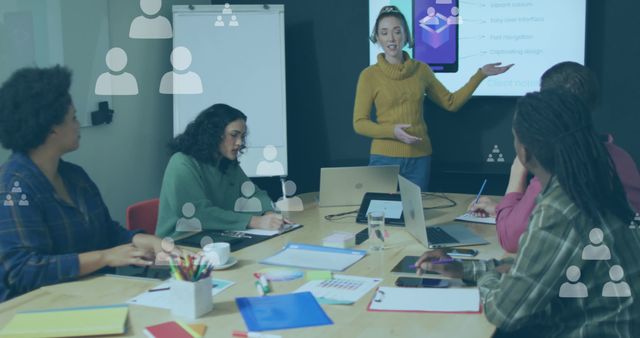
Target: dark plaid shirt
(41,235)
(526,302)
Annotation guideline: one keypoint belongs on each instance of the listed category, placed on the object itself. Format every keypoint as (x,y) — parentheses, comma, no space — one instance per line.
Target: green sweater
(212,192)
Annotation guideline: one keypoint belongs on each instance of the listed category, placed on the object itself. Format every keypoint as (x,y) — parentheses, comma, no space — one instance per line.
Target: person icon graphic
(490,158)
(573,288)
(596,251)
(270,167)
(181,81)
(431,18)
(219,22)
(16,187)
(227,9)
(500,158)
(8,201)
(23,202)
(116,84)
(150,27)
(616,287)
(290,203)
(164,257)
(495,150)
(454,19)
(234,21)
(248,203)
(188,223)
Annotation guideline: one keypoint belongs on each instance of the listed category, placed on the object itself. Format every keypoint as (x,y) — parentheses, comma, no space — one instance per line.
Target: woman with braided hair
(553,289)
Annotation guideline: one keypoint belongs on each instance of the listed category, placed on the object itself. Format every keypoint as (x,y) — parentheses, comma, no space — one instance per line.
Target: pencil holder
(191,299)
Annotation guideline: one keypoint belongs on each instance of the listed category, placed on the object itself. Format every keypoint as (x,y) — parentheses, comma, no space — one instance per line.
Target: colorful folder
(68,322)
(282,312)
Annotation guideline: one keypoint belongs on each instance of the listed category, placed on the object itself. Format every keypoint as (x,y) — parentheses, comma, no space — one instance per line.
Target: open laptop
(342,186)
(441,236)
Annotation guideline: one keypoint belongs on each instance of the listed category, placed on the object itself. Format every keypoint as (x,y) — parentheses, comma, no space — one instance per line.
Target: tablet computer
(390,204)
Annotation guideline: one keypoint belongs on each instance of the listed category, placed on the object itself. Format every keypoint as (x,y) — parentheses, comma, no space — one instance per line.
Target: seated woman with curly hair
(54,225)
(203,179)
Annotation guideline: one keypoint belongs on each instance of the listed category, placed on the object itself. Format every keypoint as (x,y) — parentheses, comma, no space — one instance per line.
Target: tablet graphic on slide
(435,32)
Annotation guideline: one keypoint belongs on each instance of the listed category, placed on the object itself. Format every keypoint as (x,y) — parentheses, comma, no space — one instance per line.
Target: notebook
(279,312)
(68,322)
(175,329)
(315,257)
(457,300)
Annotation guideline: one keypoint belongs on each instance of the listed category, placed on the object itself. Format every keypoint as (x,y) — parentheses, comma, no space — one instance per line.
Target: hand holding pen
(439,261)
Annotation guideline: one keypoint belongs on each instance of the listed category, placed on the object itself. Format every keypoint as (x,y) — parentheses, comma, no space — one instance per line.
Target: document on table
(159,296)
(262,232)
(470,218)
(426,300)
(315,257)
(391,209)
(342,289)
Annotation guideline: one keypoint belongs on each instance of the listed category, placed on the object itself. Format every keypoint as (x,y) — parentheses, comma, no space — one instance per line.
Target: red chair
(143,215)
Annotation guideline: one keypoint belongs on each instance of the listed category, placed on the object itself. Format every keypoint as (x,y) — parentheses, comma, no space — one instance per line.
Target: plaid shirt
(526,301)
(41,235)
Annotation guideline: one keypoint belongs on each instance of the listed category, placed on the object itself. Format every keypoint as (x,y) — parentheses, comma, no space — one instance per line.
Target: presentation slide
(456,37)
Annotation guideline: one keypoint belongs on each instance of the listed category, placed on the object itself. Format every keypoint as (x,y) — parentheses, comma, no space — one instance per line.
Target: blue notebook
(282,312)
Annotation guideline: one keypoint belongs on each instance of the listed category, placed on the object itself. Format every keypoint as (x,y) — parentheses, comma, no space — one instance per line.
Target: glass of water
(376,230)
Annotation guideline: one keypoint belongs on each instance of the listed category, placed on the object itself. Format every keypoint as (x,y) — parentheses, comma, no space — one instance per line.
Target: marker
(480,192)
(254,334)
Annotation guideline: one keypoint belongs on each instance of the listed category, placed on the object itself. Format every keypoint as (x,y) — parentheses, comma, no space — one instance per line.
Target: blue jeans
(415,169)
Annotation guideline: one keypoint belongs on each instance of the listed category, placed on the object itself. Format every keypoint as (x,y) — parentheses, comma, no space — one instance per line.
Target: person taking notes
(576,272)
(205,174)
(513,212)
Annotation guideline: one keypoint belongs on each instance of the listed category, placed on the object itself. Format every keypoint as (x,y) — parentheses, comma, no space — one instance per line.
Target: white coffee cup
(217,253)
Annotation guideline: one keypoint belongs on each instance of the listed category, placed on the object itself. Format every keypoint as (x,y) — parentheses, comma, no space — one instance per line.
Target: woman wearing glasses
(203,181)
(396,85)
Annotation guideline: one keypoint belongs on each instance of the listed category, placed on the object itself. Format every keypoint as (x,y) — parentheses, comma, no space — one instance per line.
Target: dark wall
(327,47)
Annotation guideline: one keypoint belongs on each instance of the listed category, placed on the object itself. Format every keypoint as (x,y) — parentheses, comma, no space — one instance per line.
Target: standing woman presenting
(396,85)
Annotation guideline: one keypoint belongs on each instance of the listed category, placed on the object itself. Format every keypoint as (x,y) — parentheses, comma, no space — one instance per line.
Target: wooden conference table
(349,320)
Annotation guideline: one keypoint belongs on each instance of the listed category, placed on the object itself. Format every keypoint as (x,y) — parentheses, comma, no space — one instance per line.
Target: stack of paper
(341,289)
(160,295)
(470,218)
(315,257)
(69,322)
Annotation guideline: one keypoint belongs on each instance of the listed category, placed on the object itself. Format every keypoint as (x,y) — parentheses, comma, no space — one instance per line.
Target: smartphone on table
(458,252)
(414,282)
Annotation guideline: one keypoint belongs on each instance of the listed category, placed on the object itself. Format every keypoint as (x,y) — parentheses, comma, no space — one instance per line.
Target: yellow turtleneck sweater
(398,94)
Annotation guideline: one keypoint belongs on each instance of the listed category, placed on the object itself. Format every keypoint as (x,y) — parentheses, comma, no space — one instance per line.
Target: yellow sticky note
(319,275)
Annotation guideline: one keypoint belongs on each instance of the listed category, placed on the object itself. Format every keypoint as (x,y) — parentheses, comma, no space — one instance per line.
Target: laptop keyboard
(438,236)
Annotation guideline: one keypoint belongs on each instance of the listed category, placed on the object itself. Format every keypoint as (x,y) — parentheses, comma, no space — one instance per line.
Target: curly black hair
(202,137)
(32,101)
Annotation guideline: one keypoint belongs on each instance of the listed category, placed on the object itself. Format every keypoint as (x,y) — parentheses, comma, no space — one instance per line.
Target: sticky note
(319,275)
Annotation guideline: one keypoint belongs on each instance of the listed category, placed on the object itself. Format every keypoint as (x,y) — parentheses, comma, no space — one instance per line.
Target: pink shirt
(514,211)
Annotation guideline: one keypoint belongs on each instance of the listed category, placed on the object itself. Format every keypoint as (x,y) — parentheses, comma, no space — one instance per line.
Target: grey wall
(127,158)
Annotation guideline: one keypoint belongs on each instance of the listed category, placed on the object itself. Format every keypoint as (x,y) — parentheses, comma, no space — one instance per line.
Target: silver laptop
(342,186)
(441,236)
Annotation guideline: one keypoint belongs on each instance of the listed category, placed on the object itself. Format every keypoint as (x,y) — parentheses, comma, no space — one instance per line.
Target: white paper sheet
(261,232)
(426,299)
(342,289)
(470,218)
(315,257)
(391,209)
(162,299)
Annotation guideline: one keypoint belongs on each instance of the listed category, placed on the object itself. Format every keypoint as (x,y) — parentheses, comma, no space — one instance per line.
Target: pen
(444,261)
(159,289)
(480,192)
